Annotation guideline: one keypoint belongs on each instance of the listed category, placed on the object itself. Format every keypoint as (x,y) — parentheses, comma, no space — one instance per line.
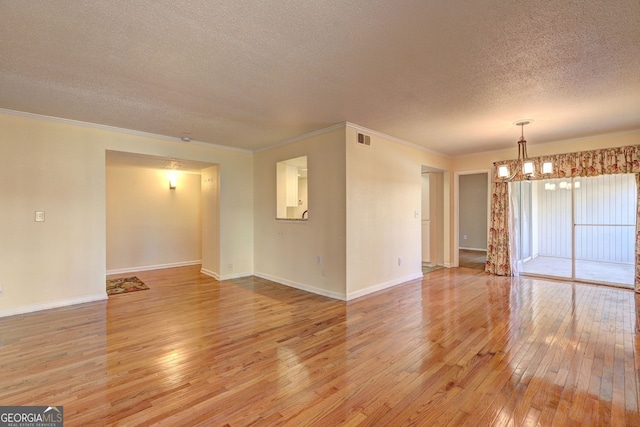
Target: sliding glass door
(550,241)
(605,216)
(581,228)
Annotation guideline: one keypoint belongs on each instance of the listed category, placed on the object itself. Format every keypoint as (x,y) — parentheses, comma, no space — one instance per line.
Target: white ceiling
(451,76)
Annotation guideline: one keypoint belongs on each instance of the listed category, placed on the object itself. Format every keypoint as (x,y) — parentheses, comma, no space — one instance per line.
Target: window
(291,189)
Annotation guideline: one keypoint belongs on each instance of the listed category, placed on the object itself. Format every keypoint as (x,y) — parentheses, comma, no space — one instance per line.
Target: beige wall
(355,200)
(364,214)
(149,225)
(210,187)
(61,260)
(384,199)
(59,167)
(305,254)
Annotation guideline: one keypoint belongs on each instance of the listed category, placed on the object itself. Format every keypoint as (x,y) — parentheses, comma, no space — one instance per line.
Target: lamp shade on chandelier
(523,164)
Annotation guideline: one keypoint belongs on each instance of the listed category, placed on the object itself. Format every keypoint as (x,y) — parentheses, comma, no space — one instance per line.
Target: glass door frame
(519,240)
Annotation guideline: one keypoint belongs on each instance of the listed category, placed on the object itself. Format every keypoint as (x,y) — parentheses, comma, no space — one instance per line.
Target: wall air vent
(364,139)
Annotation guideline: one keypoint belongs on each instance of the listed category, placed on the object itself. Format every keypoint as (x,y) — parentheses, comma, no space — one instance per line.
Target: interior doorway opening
(432,221)
(160,213)
(473,193)
(472,218)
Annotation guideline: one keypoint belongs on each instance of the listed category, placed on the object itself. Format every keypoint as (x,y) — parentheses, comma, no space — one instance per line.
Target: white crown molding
(398,140)
(562,141)
(290,140)
(356,127)
(304,136)
(118,130)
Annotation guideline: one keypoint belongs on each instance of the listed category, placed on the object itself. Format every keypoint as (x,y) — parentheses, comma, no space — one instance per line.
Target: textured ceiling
(451,76)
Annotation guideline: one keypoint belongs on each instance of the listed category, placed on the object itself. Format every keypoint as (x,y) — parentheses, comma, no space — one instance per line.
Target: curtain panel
(637,275)
(498,246)
(607,161)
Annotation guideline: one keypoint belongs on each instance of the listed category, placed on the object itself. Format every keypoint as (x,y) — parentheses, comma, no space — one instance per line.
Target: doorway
(158,212)
(472,213)
(432,221)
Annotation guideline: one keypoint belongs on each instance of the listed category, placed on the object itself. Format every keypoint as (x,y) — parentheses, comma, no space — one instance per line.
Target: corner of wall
(385,285)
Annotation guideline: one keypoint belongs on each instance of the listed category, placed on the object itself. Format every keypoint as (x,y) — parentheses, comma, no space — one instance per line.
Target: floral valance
(606,161)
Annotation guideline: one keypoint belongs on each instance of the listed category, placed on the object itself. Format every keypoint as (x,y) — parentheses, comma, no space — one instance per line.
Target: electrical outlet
(319,260)
(230,267)
(399,261)
(464,237)
(1,290)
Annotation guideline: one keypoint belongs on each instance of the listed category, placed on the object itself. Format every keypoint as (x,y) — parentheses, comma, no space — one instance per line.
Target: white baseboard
(235,275)
(302,286)
(473,249)
(210,273)
(52,304)
(218,277)
(384,285)
(153,267)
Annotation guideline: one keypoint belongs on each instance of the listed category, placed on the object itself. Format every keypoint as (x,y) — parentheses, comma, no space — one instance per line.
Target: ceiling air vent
(364,139)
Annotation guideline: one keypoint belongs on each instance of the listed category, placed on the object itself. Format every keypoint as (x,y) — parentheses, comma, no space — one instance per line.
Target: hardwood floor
(472,259)
(459,347)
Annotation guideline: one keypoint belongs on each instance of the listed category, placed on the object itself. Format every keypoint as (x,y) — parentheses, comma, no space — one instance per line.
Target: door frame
(456,209)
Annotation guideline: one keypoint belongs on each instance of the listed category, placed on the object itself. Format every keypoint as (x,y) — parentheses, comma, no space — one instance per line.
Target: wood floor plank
(459,347)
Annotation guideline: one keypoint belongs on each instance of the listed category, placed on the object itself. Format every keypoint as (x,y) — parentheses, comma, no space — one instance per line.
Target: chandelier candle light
(527,166)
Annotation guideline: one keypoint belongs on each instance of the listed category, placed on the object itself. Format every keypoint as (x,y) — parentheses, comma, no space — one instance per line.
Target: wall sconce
(173,182)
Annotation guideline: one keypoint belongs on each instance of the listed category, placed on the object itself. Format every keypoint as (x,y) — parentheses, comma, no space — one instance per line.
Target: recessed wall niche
(291,189)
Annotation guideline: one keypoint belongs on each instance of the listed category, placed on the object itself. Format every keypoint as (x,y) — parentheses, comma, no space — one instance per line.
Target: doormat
(125,284)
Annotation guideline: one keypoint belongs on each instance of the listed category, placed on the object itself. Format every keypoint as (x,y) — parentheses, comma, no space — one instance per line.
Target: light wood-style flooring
(459,347)
(472,259)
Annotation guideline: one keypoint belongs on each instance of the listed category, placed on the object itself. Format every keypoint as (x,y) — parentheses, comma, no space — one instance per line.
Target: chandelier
(526,166)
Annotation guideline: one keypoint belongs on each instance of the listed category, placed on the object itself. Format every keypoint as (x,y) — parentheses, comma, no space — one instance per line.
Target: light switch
(39,216)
